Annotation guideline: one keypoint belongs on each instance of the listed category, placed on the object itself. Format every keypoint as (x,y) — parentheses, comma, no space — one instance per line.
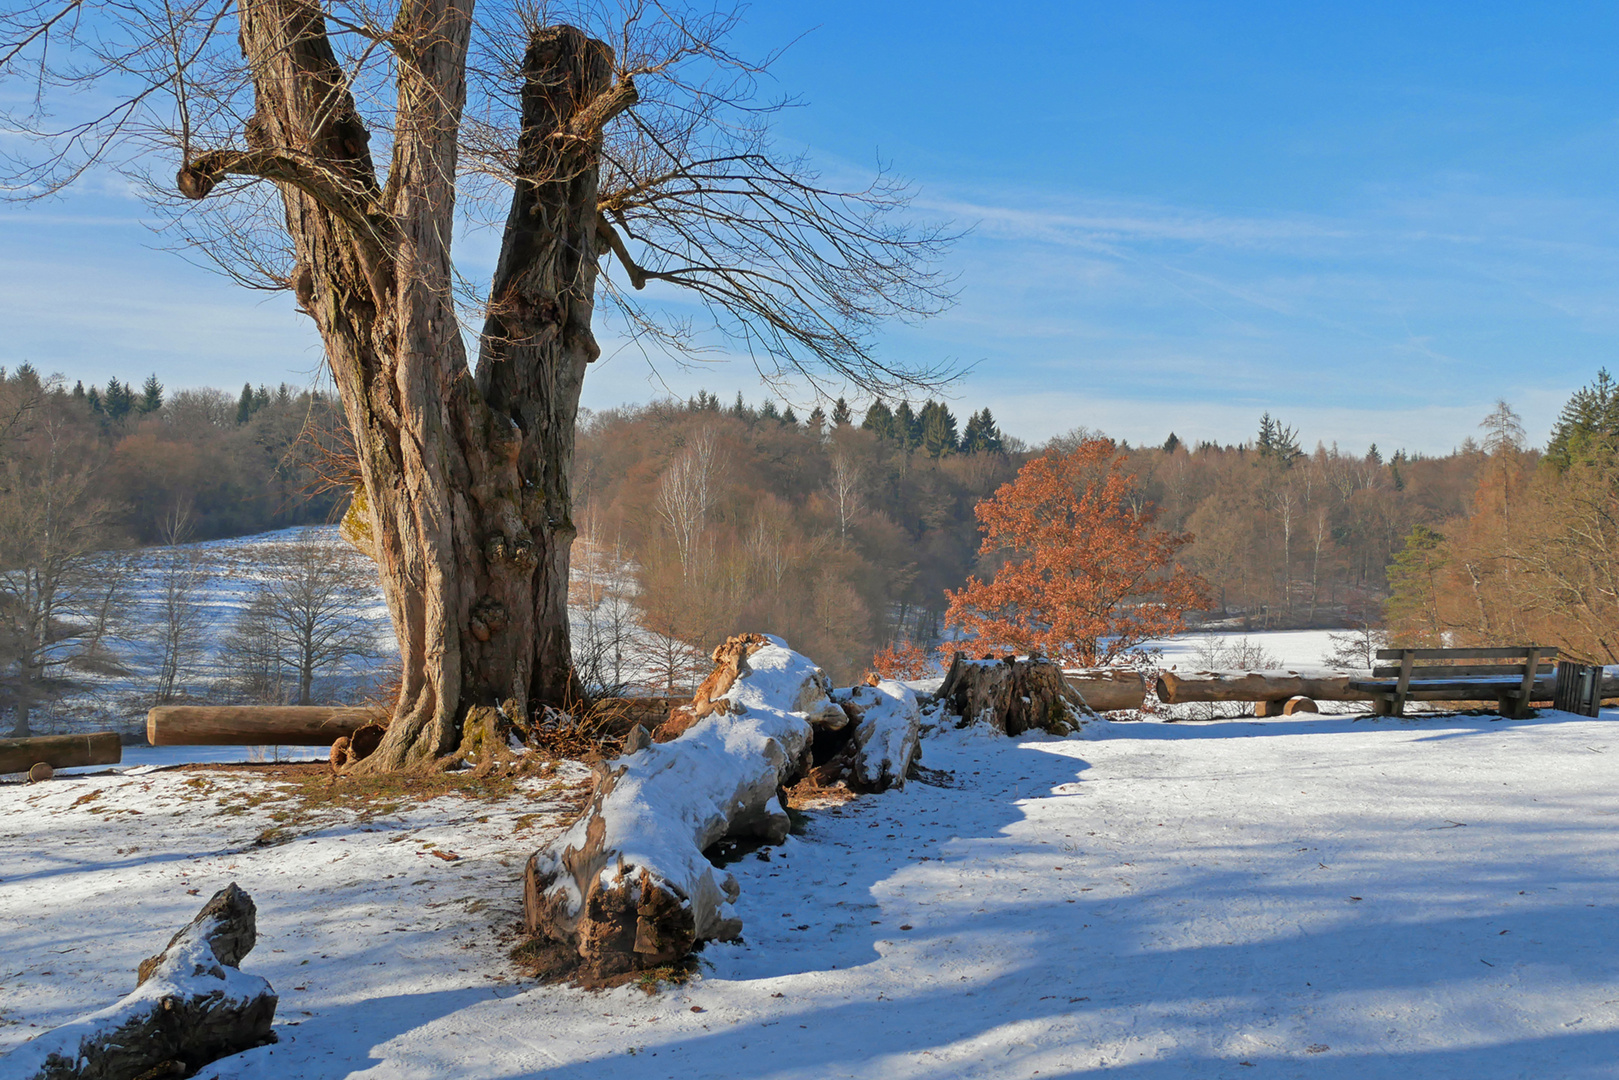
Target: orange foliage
(1086,575)
(901,660)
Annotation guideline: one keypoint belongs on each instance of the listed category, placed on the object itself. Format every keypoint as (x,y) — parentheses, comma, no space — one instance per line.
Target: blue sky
(1371,222)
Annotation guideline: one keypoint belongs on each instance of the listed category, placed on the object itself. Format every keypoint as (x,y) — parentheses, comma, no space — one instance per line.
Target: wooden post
(1403,687)
(60,751)
(1520,704)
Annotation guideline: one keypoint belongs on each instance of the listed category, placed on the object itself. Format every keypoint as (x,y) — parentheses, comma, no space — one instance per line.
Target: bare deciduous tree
(178,628)
(306,618)
(328,144)
(687,492)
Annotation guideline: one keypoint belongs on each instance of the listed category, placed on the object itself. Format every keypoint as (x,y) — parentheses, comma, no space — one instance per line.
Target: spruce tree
(880,421)
(768,411)
(817,421)
(244,406)
(907,427)
(27,377)
(78,391)
(261,398)
(118,400)
(972,436)
(789,417)
(1172,443)
(740,410)
(1589,422)
(151,398)
(841,416)
(93,399)
(938,430)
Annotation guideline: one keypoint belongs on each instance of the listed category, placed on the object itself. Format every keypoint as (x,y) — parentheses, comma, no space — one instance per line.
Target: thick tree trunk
(466,483)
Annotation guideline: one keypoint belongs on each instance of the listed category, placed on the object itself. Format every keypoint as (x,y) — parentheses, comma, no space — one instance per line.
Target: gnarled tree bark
(466,478)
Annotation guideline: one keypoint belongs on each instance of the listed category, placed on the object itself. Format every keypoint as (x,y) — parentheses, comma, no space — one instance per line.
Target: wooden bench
(1519,674)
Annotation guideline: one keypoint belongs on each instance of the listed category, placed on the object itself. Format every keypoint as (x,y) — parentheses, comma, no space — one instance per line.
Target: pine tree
(1588,422)
(841,416)
(151,398)
(880,421)
(118,400)
(938,430)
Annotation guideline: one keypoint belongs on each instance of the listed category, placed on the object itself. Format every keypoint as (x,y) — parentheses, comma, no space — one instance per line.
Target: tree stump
(1013,695)
(190,1006)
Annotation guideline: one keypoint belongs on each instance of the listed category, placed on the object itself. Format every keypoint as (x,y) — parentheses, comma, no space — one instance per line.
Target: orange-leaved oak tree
(1085,576)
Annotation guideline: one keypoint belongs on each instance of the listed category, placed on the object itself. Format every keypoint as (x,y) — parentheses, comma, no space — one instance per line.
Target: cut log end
(41,771)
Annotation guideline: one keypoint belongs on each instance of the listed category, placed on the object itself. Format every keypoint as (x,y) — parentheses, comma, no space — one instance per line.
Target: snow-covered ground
(1322,898)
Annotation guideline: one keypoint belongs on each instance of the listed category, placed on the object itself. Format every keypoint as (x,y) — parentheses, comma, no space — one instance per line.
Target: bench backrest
(1517,661)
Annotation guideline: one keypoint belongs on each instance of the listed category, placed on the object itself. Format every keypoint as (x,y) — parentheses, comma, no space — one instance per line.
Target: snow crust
(672,800)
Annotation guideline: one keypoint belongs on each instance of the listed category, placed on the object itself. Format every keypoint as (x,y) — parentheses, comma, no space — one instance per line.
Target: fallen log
(254,725)
(190,1006)
(1013,695)
(1319,684)
(628,887)
(1110,688)
(60,751)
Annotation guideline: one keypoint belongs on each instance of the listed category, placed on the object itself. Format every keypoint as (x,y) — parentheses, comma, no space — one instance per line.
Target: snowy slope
(1326,898)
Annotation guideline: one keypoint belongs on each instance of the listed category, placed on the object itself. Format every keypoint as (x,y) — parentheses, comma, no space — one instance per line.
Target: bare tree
(55,593)
(307,617)
(845,486)
(686,494)
(181,620)
(328,143)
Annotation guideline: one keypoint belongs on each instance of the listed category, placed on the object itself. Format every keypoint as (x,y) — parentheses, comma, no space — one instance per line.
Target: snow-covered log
(879,744)
(60,751)
(1013,695)
(1106,689)
(1319,684)
(628,887)
(190,1006)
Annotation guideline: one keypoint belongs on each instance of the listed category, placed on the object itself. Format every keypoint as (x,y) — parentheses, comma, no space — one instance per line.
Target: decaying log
(254,725)
(190,1006)
(627,887)
(876,745)
(1013,695)
(60,751)
(1320,684)
(1110,688)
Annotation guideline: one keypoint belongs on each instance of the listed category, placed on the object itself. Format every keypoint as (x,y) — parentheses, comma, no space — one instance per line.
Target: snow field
(1318,898)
